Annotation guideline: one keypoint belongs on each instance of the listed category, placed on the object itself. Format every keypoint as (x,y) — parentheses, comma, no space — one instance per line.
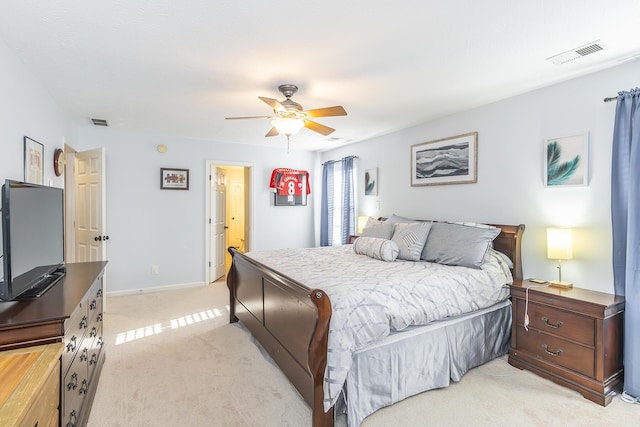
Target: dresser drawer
(558,322)
(45,405)
(557,351)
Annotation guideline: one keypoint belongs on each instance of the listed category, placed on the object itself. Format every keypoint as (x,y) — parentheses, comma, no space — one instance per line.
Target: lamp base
(558,284)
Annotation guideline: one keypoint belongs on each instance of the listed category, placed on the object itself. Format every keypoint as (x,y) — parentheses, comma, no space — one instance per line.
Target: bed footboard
(290,321)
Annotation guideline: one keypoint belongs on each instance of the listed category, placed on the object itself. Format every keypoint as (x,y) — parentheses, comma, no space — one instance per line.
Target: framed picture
(445,161)
(33,161)
(371,182)
(291,187)
(566,162)
(174,179)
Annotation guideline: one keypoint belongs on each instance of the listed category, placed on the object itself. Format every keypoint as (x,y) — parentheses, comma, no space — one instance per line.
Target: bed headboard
(509,242)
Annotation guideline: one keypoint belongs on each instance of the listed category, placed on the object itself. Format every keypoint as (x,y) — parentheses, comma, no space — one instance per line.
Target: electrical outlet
(155,269)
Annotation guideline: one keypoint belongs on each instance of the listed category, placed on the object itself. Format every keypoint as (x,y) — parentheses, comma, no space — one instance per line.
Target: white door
(236,214)
(217,229)
(90,233)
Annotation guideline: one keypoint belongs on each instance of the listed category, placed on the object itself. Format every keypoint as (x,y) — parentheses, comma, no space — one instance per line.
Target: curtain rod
(611,98)
(344,158)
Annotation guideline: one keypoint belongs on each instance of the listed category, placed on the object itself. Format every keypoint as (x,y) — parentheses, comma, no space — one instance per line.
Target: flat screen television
(32,239)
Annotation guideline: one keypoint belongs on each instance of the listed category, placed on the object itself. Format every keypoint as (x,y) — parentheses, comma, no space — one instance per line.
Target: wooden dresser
(574,337)
(69,313)
(30,386)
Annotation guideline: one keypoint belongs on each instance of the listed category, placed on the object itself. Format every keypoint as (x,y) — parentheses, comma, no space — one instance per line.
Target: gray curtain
(348,225)
(347,194)
(625,219)
(326,205)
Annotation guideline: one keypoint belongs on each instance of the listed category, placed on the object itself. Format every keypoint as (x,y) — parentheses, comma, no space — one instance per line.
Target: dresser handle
(556,326)
(72,385)
(557,353)
(73,416)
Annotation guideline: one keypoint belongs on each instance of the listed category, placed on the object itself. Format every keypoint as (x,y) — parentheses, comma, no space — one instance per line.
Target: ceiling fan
(289,117)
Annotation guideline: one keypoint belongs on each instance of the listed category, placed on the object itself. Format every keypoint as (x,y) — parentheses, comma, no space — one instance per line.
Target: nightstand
(574,338)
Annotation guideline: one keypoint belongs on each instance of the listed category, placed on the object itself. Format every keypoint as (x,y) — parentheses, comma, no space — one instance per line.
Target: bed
(284,298)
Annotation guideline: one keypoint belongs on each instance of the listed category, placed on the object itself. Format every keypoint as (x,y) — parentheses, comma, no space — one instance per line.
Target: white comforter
(369,298)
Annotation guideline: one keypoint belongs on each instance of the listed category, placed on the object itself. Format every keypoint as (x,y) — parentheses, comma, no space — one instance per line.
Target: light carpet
(173,359)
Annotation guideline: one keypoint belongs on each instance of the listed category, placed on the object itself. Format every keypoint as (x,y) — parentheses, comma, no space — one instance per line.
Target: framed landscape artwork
(445,161)
(566,162)
(33,161)
(174,179)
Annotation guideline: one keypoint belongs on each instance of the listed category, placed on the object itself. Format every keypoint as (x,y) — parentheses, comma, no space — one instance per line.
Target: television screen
(33,238)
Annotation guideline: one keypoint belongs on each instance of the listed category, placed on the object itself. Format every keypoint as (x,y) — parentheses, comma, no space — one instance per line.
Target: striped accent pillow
(410,239)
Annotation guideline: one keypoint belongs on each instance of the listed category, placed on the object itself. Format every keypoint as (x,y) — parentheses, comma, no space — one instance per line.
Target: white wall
(510,172)
(26,109)
(148,226)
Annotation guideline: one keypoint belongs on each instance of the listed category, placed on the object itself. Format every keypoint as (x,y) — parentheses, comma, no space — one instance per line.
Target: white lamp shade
(362,221)
(287,126)
(559,243)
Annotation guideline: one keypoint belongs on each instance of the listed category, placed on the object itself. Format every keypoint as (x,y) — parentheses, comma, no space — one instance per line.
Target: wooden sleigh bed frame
(292,323)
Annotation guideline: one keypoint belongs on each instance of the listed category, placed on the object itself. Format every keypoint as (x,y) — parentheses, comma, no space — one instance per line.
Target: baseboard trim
(155,289)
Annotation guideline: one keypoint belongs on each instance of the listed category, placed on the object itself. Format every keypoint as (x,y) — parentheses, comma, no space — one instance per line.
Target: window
(339,202)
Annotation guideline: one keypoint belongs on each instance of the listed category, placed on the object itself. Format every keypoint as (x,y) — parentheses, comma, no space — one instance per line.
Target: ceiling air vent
(99,122)
(576,53)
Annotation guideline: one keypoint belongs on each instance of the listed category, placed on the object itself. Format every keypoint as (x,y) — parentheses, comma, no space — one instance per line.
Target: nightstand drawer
(558,322)
(555,350)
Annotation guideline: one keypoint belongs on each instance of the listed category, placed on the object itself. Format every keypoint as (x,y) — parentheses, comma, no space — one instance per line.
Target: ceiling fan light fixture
(288,126)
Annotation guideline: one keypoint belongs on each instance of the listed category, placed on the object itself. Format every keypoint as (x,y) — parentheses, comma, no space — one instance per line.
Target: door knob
(97,238)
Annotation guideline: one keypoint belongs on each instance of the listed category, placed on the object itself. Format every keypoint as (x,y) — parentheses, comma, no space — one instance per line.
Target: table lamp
(362,221)
(559,246)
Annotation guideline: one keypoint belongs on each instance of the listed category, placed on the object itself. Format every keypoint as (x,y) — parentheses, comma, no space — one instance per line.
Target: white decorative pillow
(457,244)
(382,249)
(410,239)
(498,263)
(379,229)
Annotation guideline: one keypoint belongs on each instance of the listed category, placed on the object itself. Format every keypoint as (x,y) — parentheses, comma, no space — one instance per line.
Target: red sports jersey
(289,180)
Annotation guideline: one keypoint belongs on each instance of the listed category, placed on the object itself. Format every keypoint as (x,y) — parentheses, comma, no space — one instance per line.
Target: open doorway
(228,214)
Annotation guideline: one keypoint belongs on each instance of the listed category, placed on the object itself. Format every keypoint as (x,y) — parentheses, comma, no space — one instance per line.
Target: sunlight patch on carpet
(179,322)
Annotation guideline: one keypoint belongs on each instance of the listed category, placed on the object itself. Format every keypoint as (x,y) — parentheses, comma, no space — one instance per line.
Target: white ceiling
(180,67)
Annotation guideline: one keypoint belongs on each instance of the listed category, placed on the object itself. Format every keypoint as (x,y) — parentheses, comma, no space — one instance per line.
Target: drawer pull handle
(551,353)
(73,419)
(71,346)
(556,326)
(72,385)
(84,388)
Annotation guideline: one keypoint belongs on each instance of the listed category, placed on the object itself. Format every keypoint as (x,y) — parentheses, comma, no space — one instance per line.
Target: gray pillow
(382,249)
(396,219)
(410,239)
(379,229)
(457,244)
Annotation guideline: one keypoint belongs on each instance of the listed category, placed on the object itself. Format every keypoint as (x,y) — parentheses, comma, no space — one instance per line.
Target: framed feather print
(566,162)
(371,182)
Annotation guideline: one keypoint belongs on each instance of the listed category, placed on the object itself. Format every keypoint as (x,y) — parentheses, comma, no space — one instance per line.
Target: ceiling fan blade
(273,103)
(327,112)
(272,132)
(317,127)
(248,117)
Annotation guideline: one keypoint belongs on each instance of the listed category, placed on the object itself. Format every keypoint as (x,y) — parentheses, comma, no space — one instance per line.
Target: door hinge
(209,263)
(209,220)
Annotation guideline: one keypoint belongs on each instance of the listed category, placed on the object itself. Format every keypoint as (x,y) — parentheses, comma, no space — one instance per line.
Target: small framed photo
(174,179)
(445,161)
(566,162)
(33,161)
(371,182)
